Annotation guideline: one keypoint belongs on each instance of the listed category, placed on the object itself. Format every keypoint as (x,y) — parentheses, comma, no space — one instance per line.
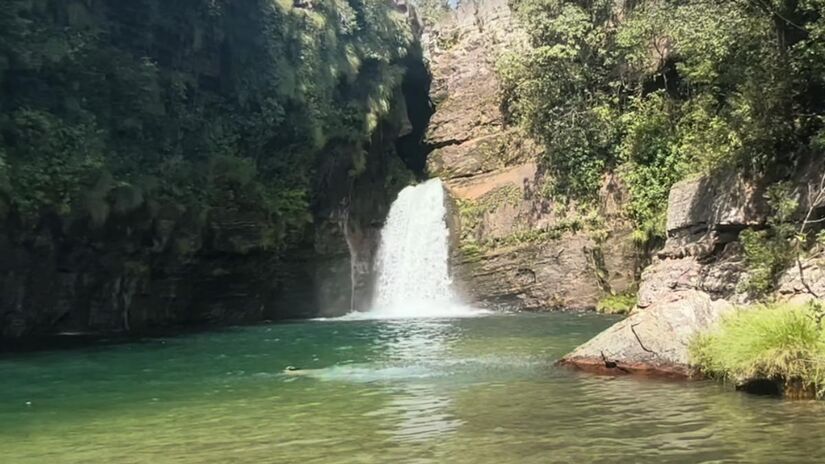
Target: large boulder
(653,341)
(723,200)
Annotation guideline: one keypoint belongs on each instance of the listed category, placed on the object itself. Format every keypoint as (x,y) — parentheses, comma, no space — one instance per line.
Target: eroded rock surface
(513,248)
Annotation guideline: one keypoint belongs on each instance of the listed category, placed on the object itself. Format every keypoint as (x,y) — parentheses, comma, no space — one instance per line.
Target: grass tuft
(779,342)
(621,303)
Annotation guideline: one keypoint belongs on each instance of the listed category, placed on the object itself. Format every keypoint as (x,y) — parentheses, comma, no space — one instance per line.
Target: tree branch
(633,329)
(815,199)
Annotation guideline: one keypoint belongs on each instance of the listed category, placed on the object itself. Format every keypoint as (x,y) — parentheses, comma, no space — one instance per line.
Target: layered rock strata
(514,248)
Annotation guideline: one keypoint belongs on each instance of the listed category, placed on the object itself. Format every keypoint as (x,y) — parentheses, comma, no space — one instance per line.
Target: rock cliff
(159,264)
(192,163)
(696,278)
(514,247)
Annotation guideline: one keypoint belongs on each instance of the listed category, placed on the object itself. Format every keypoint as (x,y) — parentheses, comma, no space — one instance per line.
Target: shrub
(652,163)
(769,252)
(779,342)
(192,102)
(766,256)
(621,303)
(657,91)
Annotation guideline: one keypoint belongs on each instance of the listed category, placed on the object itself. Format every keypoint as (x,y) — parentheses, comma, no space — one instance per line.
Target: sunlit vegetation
(620,303)
(779,342)
(660,90)
(473,213)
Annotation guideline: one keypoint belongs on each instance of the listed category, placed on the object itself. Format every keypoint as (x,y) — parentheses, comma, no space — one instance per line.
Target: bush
(769,252)
(193,102)
(780,342)
(766,256)
(652,163)
(621,303)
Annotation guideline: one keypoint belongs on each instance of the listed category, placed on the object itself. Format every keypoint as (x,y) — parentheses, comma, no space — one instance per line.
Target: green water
(479,390)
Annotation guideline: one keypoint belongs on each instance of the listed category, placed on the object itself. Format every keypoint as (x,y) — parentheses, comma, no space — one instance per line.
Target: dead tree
(816,198)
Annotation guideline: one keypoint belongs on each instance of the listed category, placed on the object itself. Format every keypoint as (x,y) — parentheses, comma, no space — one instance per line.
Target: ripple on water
(478,390)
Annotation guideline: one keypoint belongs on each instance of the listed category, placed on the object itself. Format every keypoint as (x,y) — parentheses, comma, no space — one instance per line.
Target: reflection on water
(419,411)
(460,391)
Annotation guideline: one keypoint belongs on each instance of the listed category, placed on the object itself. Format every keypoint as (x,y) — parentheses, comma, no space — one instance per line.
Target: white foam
(413,259)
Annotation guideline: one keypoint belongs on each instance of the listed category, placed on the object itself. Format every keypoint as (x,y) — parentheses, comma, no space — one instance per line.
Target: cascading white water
(412,264)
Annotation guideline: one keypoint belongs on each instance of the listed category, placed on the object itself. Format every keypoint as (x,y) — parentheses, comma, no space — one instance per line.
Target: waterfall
(412,262)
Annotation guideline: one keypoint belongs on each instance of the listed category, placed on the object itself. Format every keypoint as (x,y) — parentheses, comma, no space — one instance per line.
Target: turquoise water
(475,390)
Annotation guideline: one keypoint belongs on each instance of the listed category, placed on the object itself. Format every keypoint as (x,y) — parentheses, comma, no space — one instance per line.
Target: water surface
(472,390)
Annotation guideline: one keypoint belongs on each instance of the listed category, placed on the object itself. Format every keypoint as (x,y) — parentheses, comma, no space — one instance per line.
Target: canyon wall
(170,164)
(514,247)
(153,264)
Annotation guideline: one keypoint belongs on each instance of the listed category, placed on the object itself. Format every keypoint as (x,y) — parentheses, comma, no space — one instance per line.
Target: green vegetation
(538,234)
(621,303)
(473,212)
(432,11)
(201,103)
(769,252)
(787,239)
(659,90)
(780,342)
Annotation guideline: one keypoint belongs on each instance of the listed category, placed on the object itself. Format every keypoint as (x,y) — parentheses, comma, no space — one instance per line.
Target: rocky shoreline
(693,282)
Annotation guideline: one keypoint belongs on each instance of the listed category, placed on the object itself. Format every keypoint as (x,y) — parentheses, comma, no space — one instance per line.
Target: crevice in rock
(470,175)
(416,90)
(762,387)
(444,143)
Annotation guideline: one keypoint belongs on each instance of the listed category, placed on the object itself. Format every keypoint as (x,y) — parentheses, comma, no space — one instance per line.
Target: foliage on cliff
(203,103)
(661,89)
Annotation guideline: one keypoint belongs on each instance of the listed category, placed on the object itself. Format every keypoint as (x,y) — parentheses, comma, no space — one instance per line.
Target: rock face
(513,247)
(693,280)
(156,265)
(350,212)
(227,236)
(140,270)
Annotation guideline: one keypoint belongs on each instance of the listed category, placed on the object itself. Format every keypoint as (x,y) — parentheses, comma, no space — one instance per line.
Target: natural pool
(474,390)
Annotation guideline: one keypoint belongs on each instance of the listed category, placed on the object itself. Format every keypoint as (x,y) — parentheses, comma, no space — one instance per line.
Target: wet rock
(236,232)
(788,389)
